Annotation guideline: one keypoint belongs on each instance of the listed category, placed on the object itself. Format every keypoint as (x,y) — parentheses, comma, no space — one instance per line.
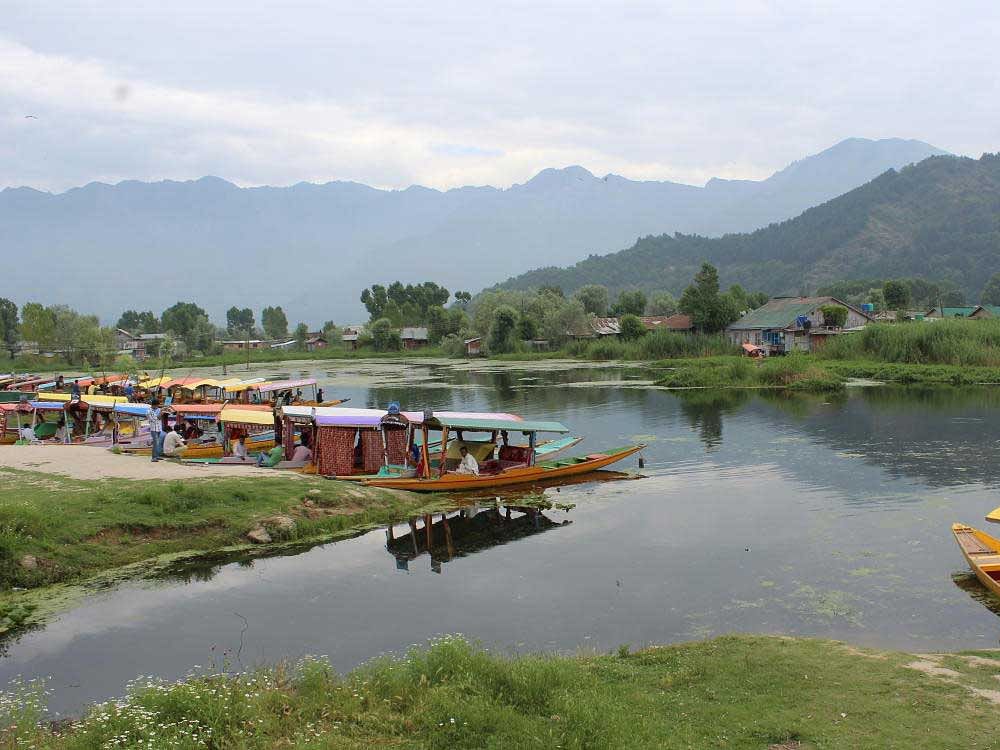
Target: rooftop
(781,312)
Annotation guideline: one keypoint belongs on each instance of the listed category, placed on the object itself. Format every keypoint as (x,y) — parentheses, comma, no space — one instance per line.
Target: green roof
(780,312)
(957,312)
(513,425)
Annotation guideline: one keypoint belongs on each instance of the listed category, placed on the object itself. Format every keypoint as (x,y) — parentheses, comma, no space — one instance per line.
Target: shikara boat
(982,552)
(993,516)
(539,472)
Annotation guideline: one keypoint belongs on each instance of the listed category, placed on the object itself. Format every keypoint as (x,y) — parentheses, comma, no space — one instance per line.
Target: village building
(414,338)
(598,327)
(678,323)
(351,336)
(236,345)
(787,324)
(138,346)
(964,311)
(984,312)
(316,341)
(473,346)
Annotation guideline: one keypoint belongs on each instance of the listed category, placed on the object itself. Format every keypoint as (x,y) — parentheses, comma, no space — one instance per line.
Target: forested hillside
(939,219)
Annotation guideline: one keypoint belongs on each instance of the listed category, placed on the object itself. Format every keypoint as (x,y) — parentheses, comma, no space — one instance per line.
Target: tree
(991,292)
(331,331)
(374,299)
(239,322)
(710,312)
(138,322)
(442,323)
(757,299)
(631,327)
(301,336)
(181,318)
(501,339)
(38,324)
(953,298)
(594,298)
(834,316)
(896,294)
(630,302)
(275,322)
(462,299)
(8,325)
(662,304)
(385,338)
(527,328)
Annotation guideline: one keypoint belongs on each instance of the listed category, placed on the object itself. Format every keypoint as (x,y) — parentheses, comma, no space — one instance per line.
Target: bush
(385,338)
(631,327)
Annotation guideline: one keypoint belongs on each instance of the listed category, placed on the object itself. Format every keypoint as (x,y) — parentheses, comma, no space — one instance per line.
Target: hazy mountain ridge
(312,247)
(939,219)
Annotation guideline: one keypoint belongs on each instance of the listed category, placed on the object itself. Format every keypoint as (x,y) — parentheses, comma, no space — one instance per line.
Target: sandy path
(86,462)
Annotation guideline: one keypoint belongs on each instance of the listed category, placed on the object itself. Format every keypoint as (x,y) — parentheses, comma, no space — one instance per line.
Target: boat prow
(982,552)
(993,516)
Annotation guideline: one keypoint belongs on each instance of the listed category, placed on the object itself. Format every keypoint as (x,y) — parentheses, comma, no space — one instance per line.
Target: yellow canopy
(994,515)
(155,381)
(246,416)
(96,399)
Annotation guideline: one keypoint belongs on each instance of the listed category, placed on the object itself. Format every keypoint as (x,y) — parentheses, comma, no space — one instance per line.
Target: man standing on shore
(155,429)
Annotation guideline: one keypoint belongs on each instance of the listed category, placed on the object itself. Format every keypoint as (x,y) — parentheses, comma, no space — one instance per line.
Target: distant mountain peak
(554,177)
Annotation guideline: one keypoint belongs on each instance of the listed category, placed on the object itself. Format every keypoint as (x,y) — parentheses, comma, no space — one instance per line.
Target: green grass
(735,692)
(795,371)
(77,528)
(943,342)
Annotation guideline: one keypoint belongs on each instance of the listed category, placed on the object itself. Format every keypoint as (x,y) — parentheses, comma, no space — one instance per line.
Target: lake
(820,516)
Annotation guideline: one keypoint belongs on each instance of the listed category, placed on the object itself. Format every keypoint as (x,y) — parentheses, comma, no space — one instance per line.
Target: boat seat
(968,542)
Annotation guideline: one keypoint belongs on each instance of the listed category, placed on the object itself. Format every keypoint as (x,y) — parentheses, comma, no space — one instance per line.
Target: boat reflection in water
(470,529)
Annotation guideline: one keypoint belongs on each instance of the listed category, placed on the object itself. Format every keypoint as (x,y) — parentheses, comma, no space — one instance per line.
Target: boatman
(468,464)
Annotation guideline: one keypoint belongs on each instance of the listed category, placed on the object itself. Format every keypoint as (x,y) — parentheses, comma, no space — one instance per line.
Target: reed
(943,342)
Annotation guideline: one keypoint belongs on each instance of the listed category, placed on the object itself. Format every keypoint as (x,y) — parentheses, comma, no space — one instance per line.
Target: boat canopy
(244,385)
(196,409)
(155,382)
(283,385)
(246,416)
(459,422)
(47,405)
(103,402)
(132,409)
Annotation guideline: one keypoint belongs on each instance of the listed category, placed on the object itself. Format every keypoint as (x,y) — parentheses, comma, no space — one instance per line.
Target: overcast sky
(446,94)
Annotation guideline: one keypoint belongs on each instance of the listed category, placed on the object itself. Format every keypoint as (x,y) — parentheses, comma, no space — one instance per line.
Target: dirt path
(84,462)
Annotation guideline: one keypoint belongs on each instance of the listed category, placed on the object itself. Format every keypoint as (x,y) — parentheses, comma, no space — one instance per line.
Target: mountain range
(312,248)
(938,219)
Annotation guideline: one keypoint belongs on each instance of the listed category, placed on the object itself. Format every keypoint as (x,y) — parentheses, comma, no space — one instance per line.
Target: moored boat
(982,552)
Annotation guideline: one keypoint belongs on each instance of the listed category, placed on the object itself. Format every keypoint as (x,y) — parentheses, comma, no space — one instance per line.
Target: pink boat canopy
(284,385)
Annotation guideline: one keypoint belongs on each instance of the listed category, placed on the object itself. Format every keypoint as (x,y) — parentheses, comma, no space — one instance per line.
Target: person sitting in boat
(302,451)
(60,433)
(173,443)
(467,464)
(240,449)
(28,435)
(272,458)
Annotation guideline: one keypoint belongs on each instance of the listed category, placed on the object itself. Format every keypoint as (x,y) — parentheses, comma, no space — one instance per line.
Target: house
(984,312)
(679,323)
(786,324)
(316,341)
(414,338)
(950,312)
(138,346)
(351,336)
(473,346)
(242,344)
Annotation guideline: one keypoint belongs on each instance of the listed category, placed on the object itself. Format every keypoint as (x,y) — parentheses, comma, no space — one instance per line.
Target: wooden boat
(993,516)
(982,552)
(540,472)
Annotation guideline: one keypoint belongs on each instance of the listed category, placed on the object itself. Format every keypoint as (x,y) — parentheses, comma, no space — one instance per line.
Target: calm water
(811,516)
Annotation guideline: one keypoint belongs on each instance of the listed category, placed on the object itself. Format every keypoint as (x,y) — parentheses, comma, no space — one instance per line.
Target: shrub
(631,327)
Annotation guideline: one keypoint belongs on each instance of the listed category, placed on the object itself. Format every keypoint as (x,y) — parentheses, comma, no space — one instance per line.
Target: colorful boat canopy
(486,425)
(283,385)
(47,405)
(155,382)
(134,410)
(186,409)
(247,416)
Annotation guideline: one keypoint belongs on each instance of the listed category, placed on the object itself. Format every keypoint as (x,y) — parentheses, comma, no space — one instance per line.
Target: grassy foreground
(731,692)
(74,528)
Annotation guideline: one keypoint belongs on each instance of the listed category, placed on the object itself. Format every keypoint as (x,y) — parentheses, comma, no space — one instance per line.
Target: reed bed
(943,342)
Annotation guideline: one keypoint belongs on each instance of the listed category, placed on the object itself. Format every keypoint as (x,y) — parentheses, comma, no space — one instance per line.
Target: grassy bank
(813,373)
(74,528)
(967,343)
(732,692)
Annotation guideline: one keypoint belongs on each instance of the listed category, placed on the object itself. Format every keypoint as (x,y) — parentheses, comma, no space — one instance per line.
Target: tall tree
(301,335)
(38,324)
(275,322)
(385,338)
(710,312)
(662,303)
(991,292)
(138,322)
(462,299)
(375,300)
(594,298)
(630,302)
(8,325)
(239,322)
(502,331)
(896,294)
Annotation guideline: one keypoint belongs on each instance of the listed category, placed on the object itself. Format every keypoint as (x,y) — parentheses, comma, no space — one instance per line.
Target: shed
(414,338)
(473,346)
(983,312)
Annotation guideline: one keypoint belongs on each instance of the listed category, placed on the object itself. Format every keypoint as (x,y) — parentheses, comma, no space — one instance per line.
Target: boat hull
(544,471)
(982,553)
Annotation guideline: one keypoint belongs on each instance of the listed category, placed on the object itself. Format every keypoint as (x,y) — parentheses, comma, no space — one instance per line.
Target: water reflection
(465,531)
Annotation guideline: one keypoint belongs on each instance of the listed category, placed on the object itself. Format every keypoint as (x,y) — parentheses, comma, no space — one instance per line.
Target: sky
(445,94)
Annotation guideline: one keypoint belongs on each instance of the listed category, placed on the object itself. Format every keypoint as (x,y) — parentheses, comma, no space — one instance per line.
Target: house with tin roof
(964,311)
(787,324)
(983,312)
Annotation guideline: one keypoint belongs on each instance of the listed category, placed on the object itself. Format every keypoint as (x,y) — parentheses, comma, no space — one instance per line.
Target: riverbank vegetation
(736,692)
(55,529)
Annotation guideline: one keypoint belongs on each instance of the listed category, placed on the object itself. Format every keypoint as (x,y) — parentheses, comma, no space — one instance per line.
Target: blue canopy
(135,410)
(47,405)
